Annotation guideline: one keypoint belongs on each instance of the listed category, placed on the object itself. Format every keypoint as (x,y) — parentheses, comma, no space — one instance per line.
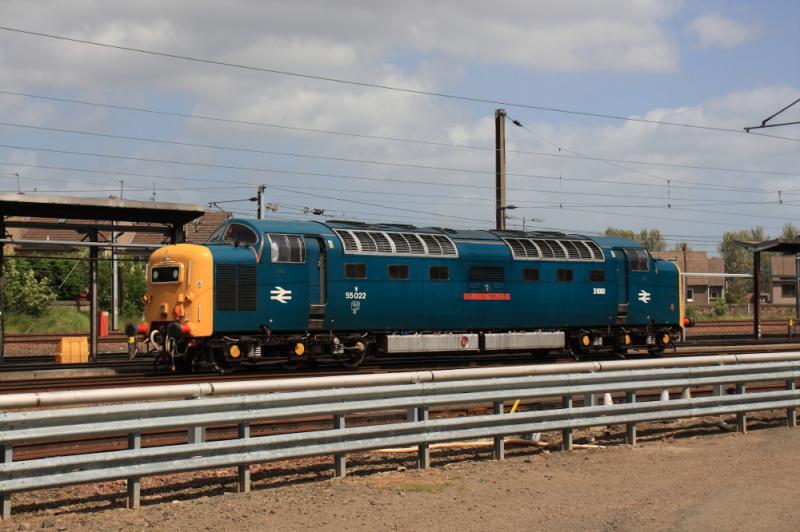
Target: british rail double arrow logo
(280,294)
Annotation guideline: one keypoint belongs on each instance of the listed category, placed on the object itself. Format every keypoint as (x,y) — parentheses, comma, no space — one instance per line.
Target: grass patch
(56,320)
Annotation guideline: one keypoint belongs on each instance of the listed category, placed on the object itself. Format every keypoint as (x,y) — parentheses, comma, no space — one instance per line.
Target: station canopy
(778,245)
(112,209)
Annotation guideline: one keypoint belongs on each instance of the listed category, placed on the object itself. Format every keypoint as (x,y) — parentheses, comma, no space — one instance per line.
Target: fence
(135,419)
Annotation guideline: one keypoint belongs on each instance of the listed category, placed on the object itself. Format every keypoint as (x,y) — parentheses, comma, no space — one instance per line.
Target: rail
(194,416)
(212,389)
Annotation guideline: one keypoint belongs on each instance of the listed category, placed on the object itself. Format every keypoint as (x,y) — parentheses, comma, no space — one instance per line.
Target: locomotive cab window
(240,234)
(530,275)
(355,271)
(564,276)
(439,273)
(287,248)
(398,272)
(165,274)
(637,260)
(597,276)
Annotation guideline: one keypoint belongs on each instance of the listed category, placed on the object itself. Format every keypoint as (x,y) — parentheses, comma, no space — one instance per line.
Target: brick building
(197,231)
(784,279)
(699,290)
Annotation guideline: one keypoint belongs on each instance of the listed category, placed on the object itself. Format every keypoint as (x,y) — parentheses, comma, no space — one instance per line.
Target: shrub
(23,292)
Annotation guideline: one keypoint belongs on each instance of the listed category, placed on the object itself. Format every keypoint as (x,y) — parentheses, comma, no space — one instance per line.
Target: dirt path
(716,481)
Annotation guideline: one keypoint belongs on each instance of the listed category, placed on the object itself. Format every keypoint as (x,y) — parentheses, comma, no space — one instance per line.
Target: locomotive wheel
(621,352)
(185,364)
(353,360)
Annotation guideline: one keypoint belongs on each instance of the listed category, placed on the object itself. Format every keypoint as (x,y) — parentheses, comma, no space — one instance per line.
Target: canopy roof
(112,209)
(778,245)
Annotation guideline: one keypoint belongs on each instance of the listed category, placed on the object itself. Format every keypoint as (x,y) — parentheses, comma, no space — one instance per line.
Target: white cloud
(714,30)
(419,46)
(348,40)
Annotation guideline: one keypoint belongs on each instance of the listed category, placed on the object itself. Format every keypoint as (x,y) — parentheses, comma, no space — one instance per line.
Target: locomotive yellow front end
(179,300)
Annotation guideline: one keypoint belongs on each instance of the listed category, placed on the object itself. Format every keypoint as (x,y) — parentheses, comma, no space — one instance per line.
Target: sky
(200,131)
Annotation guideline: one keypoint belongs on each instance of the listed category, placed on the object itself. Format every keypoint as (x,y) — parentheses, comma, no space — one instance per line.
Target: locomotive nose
(180,289)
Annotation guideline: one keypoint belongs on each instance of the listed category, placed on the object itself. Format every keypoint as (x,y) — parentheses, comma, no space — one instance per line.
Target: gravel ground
(682,476)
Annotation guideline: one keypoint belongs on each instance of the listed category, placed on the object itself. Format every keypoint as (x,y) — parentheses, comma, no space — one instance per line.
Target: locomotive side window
(530,275)
(287,248)
(398,271)
(165,274)
(597,276)
(355,271)
(240,234)
(637,260)
(439,273)
(564,276)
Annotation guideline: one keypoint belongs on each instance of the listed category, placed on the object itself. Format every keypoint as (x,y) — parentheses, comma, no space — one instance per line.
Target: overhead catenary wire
(364,178)
(247,184)
(381,86)
(754,171)
(338,159)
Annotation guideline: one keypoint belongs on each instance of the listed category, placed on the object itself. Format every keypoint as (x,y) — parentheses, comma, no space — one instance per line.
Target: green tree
(620,233)
(134,282)
(68,277)
(23,292)
(682,246)
(790,231)
(739,260)
(652,240)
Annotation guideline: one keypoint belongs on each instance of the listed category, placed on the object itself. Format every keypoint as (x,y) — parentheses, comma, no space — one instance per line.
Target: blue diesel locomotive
(269,290)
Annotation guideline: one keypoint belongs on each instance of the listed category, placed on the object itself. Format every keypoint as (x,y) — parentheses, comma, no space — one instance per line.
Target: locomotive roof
(313,226)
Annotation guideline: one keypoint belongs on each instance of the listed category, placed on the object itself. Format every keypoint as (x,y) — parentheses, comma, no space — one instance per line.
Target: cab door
(317,282)
(622,284)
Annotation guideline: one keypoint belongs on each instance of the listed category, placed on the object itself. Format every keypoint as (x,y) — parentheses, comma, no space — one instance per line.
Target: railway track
(45,338)
(141,372)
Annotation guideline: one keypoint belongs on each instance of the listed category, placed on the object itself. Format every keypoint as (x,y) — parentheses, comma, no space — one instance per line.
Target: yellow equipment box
(72,350)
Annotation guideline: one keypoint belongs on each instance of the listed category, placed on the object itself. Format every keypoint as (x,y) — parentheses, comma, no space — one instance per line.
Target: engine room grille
(562,250)
(495,274)
(389,243)
(235,287)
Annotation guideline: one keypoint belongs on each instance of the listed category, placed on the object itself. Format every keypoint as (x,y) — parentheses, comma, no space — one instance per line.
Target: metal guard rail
(134,419)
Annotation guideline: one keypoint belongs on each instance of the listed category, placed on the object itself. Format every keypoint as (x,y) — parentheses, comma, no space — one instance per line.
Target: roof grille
(547,251)
(392,243)
(348,240)
(517,247)
(365,241)
(382,241)
(563,250)
(572,250)
(558,250)
(400,243)
(432,244)
(584,250)
(448,248)
(531,249)
(596,251)
(416,244)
